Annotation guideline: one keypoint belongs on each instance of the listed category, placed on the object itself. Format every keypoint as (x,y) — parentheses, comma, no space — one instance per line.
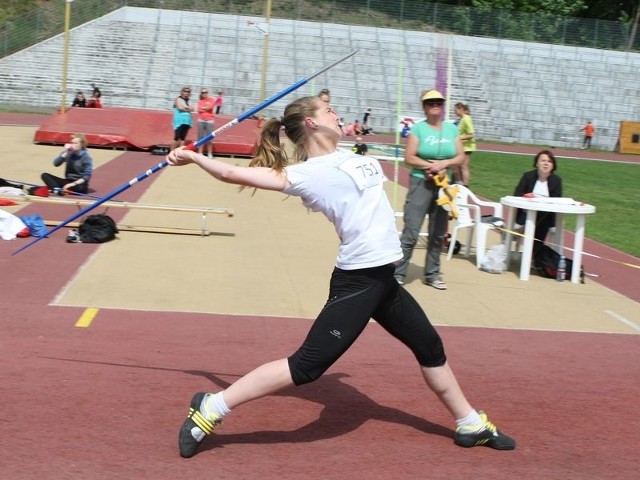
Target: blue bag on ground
(35,224)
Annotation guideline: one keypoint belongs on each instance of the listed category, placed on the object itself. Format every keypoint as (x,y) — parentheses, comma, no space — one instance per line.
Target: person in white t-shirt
(348,189)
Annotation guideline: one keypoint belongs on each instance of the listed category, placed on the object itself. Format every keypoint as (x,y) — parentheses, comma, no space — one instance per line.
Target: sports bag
(35,224)
(98,228)
(545,261)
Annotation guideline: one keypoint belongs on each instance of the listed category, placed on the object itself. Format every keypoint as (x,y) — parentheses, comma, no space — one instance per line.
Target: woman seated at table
(541,182)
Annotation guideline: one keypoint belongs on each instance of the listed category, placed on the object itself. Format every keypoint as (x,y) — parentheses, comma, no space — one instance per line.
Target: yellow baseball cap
(431,95)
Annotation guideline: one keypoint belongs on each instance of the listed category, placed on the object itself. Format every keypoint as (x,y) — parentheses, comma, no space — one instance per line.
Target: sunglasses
(204,91)
(433,103)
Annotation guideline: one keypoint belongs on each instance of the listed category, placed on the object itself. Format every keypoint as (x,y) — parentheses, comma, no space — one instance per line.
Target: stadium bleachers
(517,91)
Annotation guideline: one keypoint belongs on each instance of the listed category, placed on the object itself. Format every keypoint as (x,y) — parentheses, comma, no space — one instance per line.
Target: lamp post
(65,59)
(265,52)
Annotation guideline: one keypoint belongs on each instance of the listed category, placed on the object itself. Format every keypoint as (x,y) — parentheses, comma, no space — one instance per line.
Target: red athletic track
(106,402)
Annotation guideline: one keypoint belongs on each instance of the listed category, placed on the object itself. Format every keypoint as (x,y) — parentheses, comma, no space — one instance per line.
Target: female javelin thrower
(348,189)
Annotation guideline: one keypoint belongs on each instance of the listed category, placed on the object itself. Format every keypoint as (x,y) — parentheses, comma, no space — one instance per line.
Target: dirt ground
(271,238)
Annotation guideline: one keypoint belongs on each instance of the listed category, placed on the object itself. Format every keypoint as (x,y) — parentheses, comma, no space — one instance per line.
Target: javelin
(243,116)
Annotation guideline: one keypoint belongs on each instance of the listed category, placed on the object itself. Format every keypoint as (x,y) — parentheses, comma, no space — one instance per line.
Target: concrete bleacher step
(141,57)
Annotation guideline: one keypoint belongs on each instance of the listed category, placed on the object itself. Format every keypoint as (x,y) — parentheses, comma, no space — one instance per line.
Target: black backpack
(98,228)
(7,183)
(546,259)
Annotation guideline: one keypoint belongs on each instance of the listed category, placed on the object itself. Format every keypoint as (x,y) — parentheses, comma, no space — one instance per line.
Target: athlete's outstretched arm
(258,177)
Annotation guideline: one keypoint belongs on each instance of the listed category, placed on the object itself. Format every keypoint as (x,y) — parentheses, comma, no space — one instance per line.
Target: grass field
(611,187)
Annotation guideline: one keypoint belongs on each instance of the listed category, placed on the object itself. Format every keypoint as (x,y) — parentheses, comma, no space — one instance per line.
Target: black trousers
(544,222)
(53,182)
(356,296)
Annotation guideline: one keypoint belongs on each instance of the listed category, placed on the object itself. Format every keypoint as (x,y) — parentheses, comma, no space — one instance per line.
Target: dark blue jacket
(528,180)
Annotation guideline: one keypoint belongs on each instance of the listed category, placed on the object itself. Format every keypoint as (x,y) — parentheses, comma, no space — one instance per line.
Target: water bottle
(562,267)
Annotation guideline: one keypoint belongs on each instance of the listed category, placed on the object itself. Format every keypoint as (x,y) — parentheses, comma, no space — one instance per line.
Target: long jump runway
(101,393)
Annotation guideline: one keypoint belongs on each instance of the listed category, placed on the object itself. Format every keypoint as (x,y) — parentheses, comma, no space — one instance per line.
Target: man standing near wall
(588,130)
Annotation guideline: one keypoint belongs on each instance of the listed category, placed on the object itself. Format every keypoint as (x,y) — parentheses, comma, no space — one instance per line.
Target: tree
(621,10)
(634,28)
(565,8)
(12,8)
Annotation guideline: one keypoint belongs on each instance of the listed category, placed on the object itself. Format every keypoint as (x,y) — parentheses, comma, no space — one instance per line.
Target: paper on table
(551,200)
(555,200)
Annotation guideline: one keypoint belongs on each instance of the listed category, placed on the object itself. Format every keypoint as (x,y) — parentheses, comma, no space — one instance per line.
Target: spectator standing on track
(588,130)
(366,117)
(78,167)
(461,174)
(366,129)
(348,129)
(357,128)
(219,101)
(432,147)
(206,105)
(181,117)
(348,189)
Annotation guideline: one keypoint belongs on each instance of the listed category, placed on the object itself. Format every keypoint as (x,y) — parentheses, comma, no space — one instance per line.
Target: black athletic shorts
(356,296)
(180,133)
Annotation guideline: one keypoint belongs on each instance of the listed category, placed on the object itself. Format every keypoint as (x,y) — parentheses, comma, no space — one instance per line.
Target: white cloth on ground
(10,225)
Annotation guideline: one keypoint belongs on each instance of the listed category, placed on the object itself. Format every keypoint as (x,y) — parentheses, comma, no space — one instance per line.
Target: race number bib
(364,171)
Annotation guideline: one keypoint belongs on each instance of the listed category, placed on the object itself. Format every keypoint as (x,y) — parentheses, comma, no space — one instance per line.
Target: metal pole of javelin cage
(265,52)
(396,163)
(449,75)
(65,55)
(204,140)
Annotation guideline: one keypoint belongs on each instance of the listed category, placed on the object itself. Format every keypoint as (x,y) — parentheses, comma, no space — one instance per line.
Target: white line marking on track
(621,319)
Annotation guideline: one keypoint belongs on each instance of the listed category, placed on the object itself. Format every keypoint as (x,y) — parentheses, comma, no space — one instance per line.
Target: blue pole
(243,116)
